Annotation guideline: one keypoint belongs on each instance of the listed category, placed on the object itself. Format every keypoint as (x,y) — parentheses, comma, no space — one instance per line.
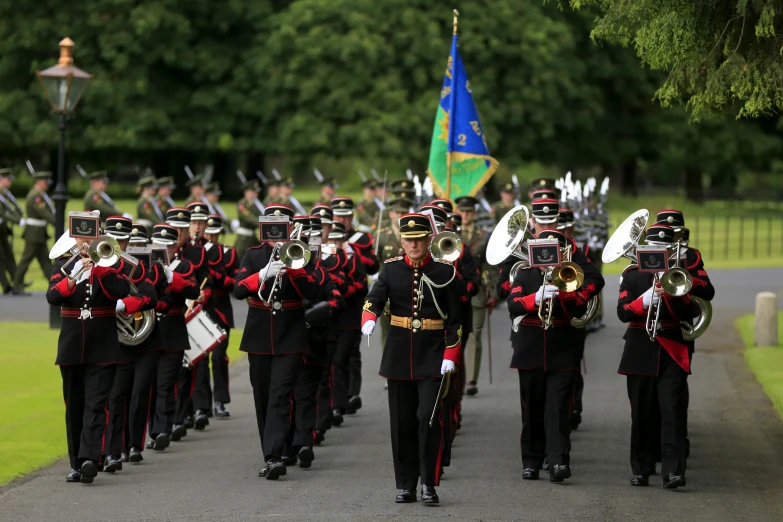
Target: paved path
(735,471)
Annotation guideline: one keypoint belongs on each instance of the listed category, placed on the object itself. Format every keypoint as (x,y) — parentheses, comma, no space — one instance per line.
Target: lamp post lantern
(64,85)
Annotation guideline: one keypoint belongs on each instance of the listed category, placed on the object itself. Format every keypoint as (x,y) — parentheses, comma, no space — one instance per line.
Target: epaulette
(443,262)
(398,258)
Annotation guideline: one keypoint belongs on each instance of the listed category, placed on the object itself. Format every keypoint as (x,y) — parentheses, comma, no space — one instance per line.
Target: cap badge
(411,223)
(135,231)
(210,221)
(342,203)
(164,233)
(509,186)
(542,182)
(197,209)
(545,209)
(277,212)
(661,234)
(118,226)
(181,215)
(322,212)
(670,219)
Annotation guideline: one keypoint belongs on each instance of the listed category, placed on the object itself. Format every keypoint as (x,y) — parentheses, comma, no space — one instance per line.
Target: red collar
(421,263)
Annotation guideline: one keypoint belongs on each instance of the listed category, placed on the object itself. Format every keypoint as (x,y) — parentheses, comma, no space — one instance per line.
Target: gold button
(415,314)
(414,330)
(415,282)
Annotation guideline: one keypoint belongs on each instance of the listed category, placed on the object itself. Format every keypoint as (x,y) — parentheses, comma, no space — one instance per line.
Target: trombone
(294,253)
(676,282)
(104,251)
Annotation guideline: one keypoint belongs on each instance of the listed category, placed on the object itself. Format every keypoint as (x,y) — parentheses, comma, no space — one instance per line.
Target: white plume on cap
(605,186)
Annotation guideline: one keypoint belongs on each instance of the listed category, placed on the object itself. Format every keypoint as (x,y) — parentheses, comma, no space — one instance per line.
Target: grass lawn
(729,235)
(766,362)
(32,430)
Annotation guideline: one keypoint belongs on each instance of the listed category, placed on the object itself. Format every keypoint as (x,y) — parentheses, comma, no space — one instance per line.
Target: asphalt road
(735,471)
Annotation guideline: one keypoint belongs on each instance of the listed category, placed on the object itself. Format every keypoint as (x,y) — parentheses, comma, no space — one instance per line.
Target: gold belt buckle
(416,323)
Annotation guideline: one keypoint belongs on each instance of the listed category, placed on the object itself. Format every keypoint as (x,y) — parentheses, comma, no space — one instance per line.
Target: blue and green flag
(458,136)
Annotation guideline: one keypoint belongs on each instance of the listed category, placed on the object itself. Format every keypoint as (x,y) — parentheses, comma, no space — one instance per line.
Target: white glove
(368,327)
(649,297)
(272,269)
(169,274)
(77,266)
(22,222)
(120,306)
(234,224)
(545,292)
(446,367)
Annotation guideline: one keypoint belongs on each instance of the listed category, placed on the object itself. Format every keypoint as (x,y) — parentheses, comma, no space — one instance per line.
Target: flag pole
(451,118)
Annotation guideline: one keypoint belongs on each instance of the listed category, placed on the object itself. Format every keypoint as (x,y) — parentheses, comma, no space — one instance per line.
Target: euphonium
(446,246)
(133,330)
(691,332)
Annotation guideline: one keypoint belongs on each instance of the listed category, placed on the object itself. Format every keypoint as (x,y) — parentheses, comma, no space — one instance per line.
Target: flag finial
(456,14)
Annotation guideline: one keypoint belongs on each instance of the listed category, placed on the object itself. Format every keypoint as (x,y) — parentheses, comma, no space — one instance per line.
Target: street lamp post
(64,85)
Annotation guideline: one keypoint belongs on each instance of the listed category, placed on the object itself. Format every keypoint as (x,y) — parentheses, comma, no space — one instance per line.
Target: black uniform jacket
(415,355)
(144,299)
(88,341)
(328,296)
(354,271)
(155,277)
(470,281)
(171,306)
(343,284)
(361,243)
(223,281)
(557,348)
(196,255)
(641,355)
(278,328)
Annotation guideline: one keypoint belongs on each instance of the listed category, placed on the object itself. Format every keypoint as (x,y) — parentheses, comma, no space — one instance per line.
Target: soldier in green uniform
(272,193)
(40,213)
(286,189)
(486,299)
(389,246)
(249,208)
(506,203)
(196,186)
(165,187)
(367,211)
(147,211)
(399,193)
(11,213)
(97,199)
(328,187)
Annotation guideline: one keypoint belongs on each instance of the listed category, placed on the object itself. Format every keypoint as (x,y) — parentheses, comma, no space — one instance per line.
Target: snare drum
(204,333)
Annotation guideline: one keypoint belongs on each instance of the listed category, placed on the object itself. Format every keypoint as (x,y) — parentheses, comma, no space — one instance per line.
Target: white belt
(145,222)
(242,231)
(365,228)
(36,222)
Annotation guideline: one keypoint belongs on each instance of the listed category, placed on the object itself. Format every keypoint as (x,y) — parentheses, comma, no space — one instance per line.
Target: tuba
(508,239)
(446,246)
(133,330)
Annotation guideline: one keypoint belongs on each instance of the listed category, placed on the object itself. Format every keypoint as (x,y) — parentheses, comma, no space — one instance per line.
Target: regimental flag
(458,136)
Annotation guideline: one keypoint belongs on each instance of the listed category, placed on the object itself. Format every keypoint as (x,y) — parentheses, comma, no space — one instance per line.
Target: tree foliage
(719,55)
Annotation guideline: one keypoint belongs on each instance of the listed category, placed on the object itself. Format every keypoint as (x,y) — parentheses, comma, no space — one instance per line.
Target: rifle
(380,217)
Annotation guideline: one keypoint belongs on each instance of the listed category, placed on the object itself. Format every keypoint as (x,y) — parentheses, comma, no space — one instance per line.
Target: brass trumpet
(567,277)
(294,253)
(446,246)
(104,251)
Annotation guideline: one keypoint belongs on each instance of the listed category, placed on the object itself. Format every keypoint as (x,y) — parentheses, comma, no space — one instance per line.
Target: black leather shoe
(472,389)
(428,495)
(74,476)
(161,442)
(673,481)
(306,457)
(337,417)
(188,422)
(89,472)
(406,496)
(558,473)
(20,293)
(124,458)
(289,460)
(135,455)
(208,413)
(354,404)
(530,474)
(576,419)
(179,431)
(220,411)
(319,437)
(201,421)
(112,464)
(640,480)
(273,470)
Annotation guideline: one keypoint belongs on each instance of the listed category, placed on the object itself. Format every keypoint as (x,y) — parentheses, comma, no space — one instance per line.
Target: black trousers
(347,342)
(202,386)
(86,389)
(546,413)
(119,409)
(355,370)
(416,448)
(273,378)
(141,398)
(658,418)
(325,405)
(169,366)
(302,431)
(220,371)
(579,380)
(186,383)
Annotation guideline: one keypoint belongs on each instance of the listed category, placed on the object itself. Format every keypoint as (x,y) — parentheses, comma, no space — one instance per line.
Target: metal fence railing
(740,237)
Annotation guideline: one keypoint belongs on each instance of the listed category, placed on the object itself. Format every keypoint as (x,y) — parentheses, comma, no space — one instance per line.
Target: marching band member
(223,278)
(657,371)
(320,315)
(88,353)
(350,325)
(362,245)
(275,337)
(424,344)
(548,360)
(118,431)
(171,320)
